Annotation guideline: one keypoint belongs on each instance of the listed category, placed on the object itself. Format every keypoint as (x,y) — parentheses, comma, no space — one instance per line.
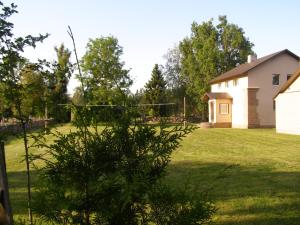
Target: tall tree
(173,77)
(33,91)
(209,51)
(104,72)
(62,73)
(172,68)
(155,90)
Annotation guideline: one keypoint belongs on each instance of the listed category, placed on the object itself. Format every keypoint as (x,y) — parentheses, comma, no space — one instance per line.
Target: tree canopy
(155,90)
(62,71)
(104,72)
(209,51)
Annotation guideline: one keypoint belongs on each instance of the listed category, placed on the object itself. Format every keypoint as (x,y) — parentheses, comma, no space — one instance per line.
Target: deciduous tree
(209,51)
(104,72)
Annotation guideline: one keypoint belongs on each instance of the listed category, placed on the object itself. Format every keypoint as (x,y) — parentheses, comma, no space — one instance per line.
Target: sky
(146,29)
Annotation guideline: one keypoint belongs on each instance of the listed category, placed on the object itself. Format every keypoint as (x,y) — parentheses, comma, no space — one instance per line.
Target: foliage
(208,52)
(111,175)
(5,106)
(33,91)
(78,98)
(155,91)
(171,206)
(104,72)
(172,68)
(108,176)
(11,63)
(62,72)
(176,85)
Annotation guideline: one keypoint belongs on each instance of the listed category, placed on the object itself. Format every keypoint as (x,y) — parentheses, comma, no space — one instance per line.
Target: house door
(212,111)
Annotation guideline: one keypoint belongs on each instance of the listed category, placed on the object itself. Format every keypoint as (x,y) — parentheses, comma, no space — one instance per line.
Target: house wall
(261,77)
(288,110)
(239,95)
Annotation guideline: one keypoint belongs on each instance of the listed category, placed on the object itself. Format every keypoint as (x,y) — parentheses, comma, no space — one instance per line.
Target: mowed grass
(252,176)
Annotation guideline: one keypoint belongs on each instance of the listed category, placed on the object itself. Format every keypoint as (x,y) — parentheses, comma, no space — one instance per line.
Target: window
(219,85)
(226,84)
(235,82)
(288,76)
(224,108)
(275,80)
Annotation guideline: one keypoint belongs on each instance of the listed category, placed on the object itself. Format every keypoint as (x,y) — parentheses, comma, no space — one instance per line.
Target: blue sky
(147,29)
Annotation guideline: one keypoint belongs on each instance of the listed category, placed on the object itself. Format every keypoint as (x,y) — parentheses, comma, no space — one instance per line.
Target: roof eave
(226,79)
(285,51)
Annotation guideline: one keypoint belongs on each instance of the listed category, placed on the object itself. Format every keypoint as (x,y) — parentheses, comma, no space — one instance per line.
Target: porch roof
(216,95)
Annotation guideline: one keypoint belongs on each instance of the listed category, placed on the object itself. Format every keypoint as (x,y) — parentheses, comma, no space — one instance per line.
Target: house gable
(242,70)
(262,77)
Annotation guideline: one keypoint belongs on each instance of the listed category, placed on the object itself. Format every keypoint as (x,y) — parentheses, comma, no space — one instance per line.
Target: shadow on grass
(240,193)
(243,195)
(265,221)
(17,182)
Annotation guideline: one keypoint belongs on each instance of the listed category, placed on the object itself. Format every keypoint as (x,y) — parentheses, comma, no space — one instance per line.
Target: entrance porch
(219,109)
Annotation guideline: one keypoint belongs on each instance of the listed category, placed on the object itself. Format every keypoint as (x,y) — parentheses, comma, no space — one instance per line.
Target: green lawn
(253,176)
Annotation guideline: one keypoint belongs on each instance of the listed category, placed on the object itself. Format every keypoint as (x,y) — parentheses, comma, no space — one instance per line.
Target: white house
(243,96)
(288,106)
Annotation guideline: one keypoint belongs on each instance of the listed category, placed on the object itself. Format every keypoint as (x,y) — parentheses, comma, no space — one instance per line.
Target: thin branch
(77,61)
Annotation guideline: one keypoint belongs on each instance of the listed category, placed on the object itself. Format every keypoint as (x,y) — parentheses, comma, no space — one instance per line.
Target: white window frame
(227,108)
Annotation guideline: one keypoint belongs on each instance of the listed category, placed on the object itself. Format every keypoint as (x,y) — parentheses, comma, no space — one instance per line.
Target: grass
(253,176)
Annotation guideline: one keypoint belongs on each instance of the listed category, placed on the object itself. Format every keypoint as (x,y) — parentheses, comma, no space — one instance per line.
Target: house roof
(289,82)
(242,70)
(214,95)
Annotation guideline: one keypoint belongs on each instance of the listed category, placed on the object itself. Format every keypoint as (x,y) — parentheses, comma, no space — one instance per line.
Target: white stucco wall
(288,110)
(240,100)
(262,76)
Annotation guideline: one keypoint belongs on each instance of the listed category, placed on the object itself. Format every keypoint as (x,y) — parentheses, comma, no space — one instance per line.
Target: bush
(112,175)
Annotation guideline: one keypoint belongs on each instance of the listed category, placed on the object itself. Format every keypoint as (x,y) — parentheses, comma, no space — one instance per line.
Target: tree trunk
(23,124)
(46,115)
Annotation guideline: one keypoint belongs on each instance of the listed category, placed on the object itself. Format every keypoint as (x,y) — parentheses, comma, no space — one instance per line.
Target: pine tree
(155,91)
